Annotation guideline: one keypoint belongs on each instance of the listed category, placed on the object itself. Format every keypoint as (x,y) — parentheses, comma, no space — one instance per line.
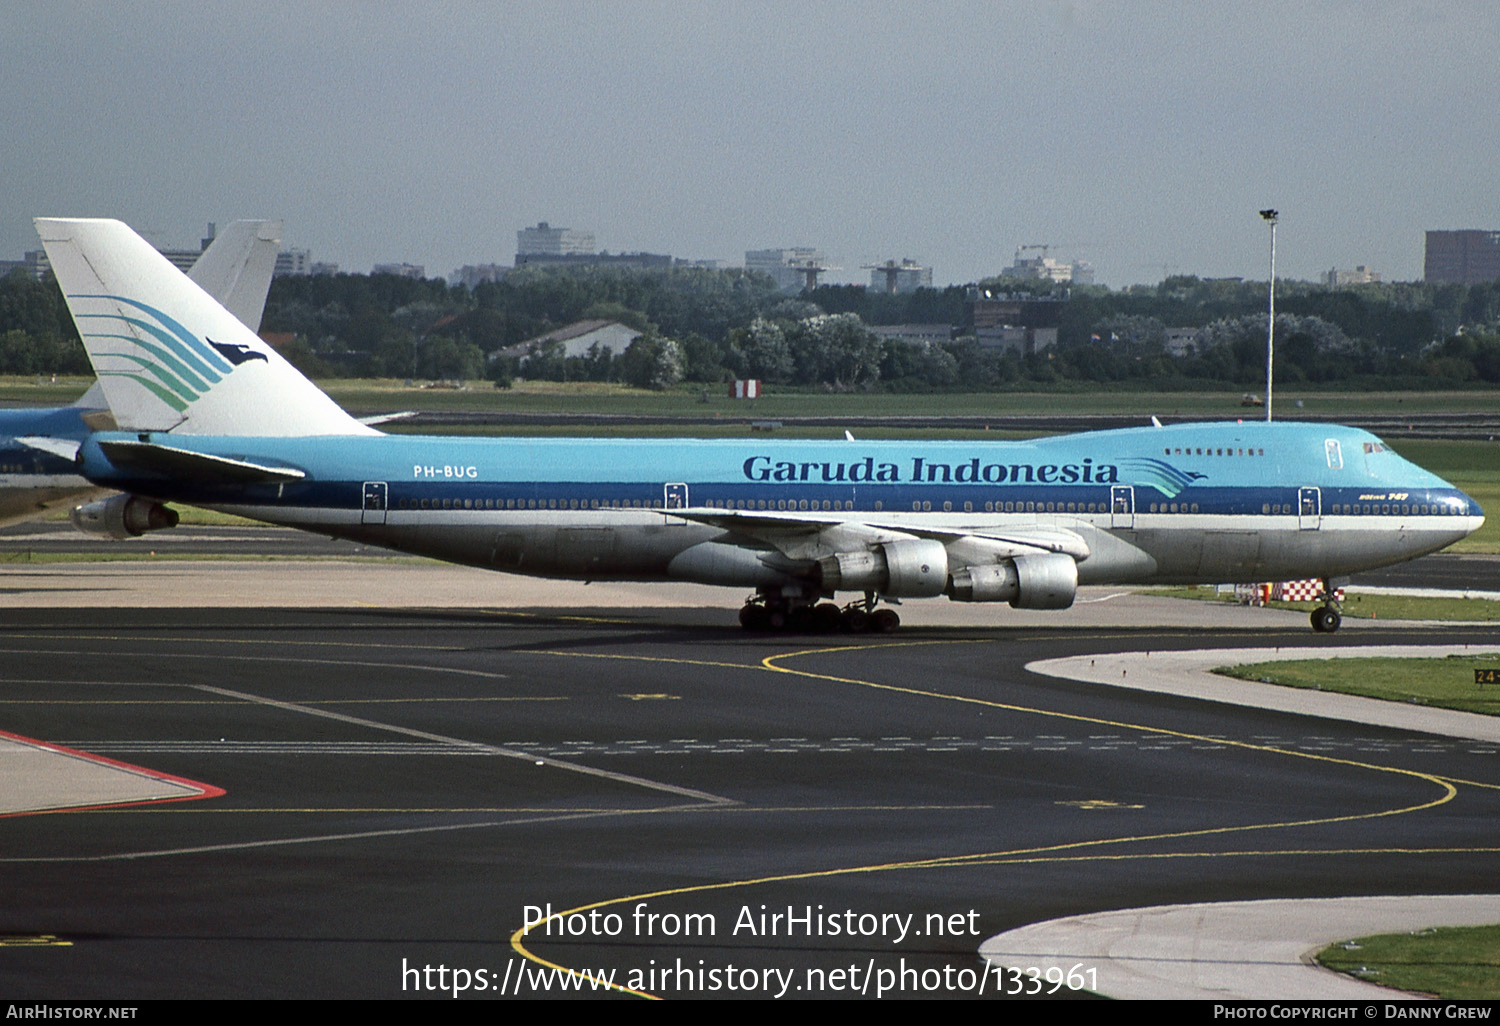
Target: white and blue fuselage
(1210,502)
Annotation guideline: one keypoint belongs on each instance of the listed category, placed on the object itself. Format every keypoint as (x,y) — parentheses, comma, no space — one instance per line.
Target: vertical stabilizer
(236,268)
(168,356)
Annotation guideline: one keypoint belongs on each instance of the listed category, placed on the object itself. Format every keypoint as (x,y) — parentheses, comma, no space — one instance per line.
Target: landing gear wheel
(856,621)
(753,617)
(884,621)
(1326,620)
(827,618)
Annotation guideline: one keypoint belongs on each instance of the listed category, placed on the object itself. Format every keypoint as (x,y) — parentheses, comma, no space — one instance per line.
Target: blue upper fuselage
(53,421)
(1213,467)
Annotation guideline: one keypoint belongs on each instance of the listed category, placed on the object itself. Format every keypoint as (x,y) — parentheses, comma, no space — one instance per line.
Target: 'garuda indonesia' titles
(211,415)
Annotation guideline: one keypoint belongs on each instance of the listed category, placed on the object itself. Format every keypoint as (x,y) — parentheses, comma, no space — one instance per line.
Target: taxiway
(414,758)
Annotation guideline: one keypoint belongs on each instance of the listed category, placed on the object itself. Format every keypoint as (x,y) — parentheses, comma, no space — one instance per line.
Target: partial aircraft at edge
(211,415)
(37,473)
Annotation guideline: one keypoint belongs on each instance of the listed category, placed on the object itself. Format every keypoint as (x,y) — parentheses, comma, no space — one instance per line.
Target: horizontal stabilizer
(386,418)
(165,461)
(67,448)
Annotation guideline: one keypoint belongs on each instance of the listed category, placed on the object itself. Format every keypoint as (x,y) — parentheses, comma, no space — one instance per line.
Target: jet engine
(1046,580)
(123,516)
(908,568)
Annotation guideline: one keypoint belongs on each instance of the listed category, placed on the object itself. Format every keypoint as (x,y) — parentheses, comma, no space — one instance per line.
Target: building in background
(1361,275)
(417,271)
(1044,268)
(640,260)
(545,240)
(34,262)
(1469,257)
(470,275)
(564,247)
(922,335)
(891,277)
(793,269)
(1016,321)
(292,261)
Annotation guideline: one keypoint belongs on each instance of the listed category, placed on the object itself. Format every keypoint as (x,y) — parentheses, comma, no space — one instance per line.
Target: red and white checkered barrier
(1283,591)
(1303,591)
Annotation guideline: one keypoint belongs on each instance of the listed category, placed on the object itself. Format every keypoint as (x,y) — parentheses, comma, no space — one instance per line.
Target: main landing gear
(1326,618)
(804,615)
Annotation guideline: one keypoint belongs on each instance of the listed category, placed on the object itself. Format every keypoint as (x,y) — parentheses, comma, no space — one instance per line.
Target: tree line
(703,325)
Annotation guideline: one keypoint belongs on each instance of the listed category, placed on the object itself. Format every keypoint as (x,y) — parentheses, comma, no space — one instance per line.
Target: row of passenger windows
(526,504)
(1336,509)
(836,505)
(1019,507)
(1367,509)
(1200,451)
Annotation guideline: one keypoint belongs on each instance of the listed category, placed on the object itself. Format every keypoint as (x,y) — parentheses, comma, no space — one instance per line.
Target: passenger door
(1309,508)
(373,508)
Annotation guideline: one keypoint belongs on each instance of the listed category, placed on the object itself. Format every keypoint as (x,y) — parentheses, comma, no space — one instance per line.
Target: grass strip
(1444,683)
(1460,963)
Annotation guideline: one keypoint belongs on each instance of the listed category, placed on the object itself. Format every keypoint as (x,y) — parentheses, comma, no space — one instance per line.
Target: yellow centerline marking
(1038,854)
(40,940)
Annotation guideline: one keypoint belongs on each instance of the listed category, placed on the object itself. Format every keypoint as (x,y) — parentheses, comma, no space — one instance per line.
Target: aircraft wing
(801,536)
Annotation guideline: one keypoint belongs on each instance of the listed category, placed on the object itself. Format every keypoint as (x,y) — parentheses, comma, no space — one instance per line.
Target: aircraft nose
(1475,515)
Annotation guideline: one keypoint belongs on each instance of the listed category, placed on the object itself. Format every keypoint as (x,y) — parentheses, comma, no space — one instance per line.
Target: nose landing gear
(1327,617)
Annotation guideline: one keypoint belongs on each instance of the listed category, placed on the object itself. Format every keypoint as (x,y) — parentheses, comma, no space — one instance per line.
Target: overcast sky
(1141,136)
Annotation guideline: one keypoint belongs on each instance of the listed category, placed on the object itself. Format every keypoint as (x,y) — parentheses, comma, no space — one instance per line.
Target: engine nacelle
(909,568)
(122,516)
(991,582)
(1042,581)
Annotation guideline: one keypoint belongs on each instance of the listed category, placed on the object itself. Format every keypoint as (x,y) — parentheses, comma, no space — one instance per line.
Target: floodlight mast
(1270,217)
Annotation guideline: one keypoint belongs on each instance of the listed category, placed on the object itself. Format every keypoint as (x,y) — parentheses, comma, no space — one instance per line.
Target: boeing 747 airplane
(37,472)
(211,415)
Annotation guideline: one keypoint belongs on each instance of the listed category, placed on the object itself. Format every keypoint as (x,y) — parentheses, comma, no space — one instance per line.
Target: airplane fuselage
(1195,503)
(33,481)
